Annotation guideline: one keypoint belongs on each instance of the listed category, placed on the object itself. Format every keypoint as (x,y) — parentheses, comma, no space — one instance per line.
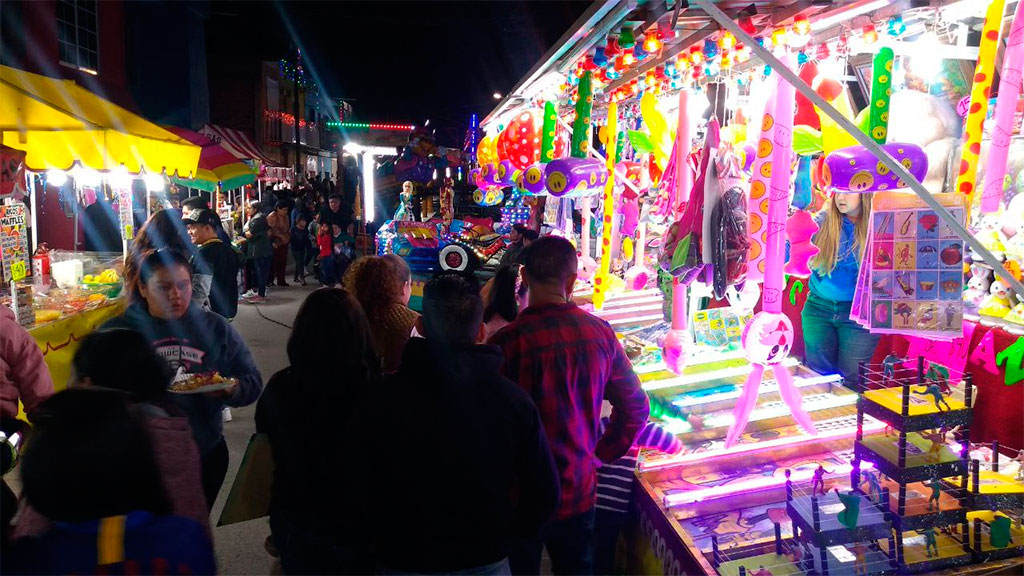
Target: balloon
(833,136)
(488,197)
(533,179)
(983,73)
(474,178)
(549,131)
(581,126)
(602,279)
(855,169)
(660,137)
(523,137)
(486,151)
(767,338)
(633,171)
(489,175)
(1010,79)
(507,173)
(502,146)
(800,228)
(575,176)
(757,201)
(805,114)
(778,197)
(881,89)
(676,349)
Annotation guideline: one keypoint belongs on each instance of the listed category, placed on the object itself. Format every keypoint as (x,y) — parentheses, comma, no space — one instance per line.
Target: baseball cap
(201,216)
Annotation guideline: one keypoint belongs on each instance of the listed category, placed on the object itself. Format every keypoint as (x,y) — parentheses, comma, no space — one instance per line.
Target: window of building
(77,34)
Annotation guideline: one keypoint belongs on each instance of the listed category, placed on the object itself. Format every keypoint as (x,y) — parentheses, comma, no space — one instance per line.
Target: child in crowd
(615,490)
(344,246)
(324,242)
(299,246)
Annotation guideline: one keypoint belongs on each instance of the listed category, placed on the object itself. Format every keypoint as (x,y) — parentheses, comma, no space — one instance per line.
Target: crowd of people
(483,414)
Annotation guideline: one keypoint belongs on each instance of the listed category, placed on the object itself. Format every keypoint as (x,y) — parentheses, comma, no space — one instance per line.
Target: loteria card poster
(916,267)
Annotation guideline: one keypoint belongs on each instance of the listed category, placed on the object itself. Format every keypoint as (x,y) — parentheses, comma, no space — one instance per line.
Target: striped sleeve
(654,436)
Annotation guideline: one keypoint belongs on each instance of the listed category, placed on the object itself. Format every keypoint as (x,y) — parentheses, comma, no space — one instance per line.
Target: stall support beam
(863,139)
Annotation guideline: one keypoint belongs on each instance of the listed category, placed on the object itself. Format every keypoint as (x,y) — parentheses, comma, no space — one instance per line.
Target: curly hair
(377,282)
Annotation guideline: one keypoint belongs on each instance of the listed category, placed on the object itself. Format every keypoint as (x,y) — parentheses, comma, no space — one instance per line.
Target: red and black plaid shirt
(569,361)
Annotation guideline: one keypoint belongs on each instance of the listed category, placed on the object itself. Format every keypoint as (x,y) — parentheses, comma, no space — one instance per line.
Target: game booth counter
(65,148)
(687,149)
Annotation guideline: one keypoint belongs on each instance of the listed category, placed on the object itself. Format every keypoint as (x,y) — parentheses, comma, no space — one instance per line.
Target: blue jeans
(829,330)
(261,266)
(570,544)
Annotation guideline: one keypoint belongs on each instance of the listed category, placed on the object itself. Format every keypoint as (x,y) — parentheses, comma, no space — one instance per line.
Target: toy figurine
(938,440)
(874,485)
(861,565)
(929,541)
(889,366)
(939,376)
(761,571)
(1020,465)
(935,391)
(999,532)
(851,511)
(819,480)
(936,487)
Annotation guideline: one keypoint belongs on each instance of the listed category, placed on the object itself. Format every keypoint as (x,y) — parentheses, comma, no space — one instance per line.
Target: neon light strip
(703,377)
(766,387)
(372,126)
(870,425)
(759,484)
(779,409)
(622,295)
(612,311)
(634,319)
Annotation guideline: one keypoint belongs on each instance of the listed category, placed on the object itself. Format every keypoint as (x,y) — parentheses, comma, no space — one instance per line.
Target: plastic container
(68,273)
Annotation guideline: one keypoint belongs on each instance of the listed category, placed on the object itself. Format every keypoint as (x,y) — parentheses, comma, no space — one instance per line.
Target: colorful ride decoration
(490,196)
(855,169)
(768,338)
(982,84)
(462,244)
(420,158)
(487,151)
(507,174)
(1010,79)
(881,90)
(572,177)
(757,200)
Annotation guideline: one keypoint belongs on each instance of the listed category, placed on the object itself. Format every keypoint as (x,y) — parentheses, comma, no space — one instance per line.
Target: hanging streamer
(601,280)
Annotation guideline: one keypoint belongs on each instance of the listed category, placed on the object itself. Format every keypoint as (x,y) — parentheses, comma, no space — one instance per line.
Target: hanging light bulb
(628,58)
(710,49)
(779,37)
(639,52)
(85,177)
(801,26)
(154,182)
(56,178)
(626,39)
(651,43)
(588,63)
(896,26)
(823,52)
(869,34)
(843,45)
(600,57)
(650,79)
(726,61)
(747,24)
(665,31)
(119,178)
(726,41)
(801,58)
(696,57)
(611,48)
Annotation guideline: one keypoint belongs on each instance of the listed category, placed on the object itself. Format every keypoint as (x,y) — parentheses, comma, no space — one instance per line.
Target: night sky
(404,61)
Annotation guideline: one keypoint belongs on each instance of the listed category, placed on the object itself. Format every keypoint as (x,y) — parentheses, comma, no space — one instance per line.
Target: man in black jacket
(476,475)
(214,264)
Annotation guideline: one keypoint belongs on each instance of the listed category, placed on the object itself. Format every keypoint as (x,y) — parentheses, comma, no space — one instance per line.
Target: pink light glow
(758,484)
(765,446)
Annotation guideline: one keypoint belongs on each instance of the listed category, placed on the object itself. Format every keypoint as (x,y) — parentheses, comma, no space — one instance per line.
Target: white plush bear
(977,289)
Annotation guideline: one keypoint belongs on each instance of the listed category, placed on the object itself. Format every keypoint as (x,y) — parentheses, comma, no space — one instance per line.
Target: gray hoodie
(200,341)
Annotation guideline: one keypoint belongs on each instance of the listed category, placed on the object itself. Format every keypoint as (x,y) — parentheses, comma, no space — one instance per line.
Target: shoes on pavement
(283,284)
(225,414)
(249,294)
(303,281)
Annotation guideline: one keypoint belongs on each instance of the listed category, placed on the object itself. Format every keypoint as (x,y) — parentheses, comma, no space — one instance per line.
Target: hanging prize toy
(1006,103)
(768,337)
(978,108)
(601,279)
(881,90)
(678,341)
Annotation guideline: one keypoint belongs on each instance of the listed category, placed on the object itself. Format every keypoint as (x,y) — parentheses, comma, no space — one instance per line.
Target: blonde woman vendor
(835,344)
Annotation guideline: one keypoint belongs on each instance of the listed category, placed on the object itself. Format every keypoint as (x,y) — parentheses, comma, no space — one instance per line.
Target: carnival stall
(77,147)
(708,136)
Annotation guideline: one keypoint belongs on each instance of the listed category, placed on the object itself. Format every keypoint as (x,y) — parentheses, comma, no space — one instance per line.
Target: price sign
(18,270)
(13,241)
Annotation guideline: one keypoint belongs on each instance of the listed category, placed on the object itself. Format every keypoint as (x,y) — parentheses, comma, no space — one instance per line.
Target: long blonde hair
(827,238)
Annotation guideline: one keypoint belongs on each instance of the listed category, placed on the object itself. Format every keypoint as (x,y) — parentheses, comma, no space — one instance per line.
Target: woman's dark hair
(89,457)
(503,298)
(157,260)
(122,359)
(331,336)
(164,230)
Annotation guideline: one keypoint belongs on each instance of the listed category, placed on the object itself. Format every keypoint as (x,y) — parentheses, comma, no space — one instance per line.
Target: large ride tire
(457,258)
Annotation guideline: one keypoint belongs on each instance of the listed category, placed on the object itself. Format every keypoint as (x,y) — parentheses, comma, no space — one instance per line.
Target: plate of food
(185,383)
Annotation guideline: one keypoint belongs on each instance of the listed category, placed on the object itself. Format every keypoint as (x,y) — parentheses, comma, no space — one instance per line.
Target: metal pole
(864,140)
(34,201)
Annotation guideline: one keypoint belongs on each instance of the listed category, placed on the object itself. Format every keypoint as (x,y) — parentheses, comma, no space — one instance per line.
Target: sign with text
(13,241)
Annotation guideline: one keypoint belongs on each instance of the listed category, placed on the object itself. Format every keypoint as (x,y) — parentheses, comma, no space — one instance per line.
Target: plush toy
(977,289)
(997,303)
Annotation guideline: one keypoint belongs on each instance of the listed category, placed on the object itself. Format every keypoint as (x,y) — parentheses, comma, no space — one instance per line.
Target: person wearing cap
(200,203)
(214,264)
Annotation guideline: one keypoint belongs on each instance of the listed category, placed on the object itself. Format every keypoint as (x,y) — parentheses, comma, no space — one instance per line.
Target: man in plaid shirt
(568,361)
